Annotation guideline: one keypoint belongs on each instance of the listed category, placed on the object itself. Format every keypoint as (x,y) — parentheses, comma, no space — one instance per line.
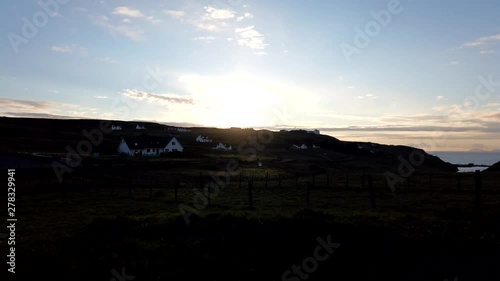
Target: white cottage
(203,139)
(116,127)
(316,132)
(140,127)
(222,146)
(173,146)
(149,146)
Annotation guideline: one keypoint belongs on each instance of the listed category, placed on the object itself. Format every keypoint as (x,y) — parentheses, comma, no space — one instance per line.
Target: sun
(237,102)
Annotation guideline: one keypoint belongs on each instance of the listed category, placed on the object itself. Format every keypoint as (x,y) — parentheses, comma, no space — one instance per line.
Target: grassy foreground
(409,236)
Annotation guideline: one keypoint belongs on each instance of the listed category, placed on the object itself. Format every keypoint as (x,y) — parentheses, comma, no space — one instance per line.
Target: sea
(466,157)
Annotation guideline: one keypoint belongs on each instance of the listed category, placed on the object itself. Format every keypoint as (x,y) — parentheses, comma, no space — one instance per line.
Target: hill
(279,149)
(494,168)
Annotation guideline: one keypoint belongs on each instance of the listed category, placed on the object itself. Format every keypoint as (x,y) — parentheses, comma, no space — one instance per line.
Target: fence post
(267,177)
(240,181)
(279,180)
(208,193)
(363,178)
(372,191)
(250,188)
(150,188)
(479,186)
(308,194)
(176,183)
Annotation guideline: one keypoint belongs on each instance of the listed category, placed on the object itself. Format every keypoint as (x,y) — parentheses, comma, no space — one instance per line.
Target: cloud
(131,32)
(487,52)
(107,60)
(70,49)
(133,13)
(454,63)
(61,49)
(26,108)
(401,128)
(40,115)
(206,26)
(125,11)
(206,39)
(368,96)
(174,14)
(440,98)
(223,21)
(482,41)
(151,97)
(26,105)
(219,14)
(212,19)
(251,38)
(101,97)
(245,16)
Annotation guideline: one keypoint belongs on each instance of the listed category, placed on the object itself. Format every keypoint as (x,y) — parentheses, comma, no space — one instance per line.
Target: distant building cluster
(203,139)
(222,146)
(315,131)
(302,147)
(141,127)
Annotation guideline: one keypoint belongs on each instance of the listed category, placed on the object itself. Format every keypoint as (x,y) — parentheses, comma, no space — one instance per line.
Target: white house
(116,128)
(316,132)
(222,146)
(148,146)
(140,127)
(201,138)
(304,147)
(183,130)
(173,146)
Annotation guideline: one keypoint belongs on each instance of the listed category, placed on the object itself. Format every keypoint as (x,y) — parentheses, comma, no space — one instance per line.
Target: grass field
(89,225)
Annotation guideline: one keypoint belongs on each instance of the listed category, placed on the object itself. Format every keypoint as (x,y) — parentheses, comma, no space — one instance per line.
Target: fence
(349,190)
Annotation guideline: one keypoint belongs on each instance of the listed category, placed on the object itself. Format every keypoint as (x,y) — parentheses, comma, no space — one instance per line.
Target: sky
(419,73)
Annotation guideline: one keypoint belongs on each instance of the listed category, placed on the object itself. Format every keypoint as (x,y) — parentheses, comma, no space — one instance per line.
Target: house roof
(147,141)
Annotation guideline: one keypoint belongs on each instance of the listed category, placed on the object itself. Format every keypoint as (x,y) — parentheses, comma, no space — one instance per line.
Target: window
(173,143)
(147,150)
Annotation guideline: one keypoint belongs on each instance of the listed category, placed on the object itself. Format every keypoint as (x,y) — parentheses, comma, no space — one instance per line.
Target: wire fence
(350,190)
